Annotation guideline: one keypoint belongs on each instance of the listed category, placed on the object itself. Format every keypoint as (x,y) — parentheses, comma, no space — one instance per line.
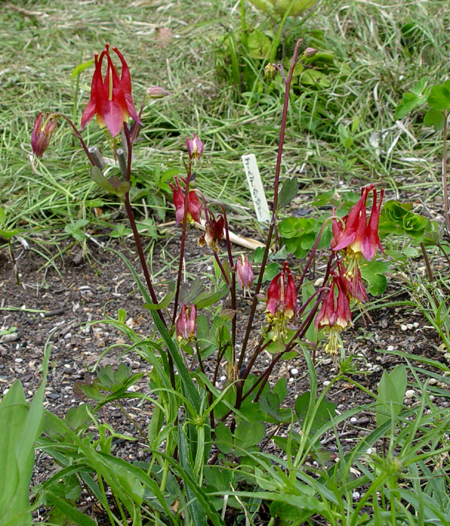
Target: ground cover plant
(230,392)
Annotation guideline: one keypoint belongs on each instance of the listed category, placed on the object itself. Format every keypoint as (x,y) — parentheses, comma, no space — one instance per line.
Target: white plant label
(256,188)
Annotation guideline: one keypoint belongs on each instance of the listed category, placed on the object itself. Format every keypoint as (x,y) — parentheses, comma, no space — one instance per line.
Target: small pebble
(403,327)
(18,360)
(291,380)
(326,383)
(410,393)
(223,378)
(353,419)
(356,495)
(369,451)
(294,372)
(390,348)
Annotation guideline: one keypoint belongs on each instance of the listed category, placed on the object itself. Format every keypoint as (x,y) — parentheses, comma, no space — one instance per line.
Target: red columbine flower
(244,273)
(42,133)
(111,98)
(194,211)
(354,234)
(186,325)
(335,315)
(213,232)
(194,147)
(281,300)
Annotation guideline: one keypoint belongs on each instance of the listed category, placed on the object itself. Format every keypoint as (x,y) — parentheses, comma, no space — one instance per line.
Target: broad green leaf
(288,192)
(373,272)
(248,435)
(434,118)
(391,391)
(258,44)
(439,98)
(224,438)
(409,102)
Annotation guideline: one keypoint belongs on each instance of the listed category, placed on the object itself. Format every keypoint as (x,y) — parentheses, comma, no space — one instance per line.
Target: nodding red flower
(194,210)
(282,295)
(354,233)
(111,99)
(186,325)
(213,233)
(42,133)
(194,147)
(244,273)
(335,313)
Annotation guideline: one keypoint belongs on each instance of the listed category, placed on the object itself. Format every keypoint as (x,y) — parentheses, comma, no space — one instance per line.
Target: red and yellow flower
(111,100)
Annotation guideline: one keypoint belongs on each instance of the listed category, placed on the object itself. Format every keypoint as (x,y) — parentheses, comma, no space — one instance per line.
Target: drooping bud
(244,273)
(42,133)
(194,147)
(194,210)
(186,325)
(213,233)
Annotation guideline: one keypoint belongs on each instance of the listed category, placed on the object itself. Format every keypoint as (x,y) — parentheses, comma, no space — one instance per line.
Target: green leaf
(288,192)
(248,435)
(100,179)
(2,216)
(434,118)
(81,67)
(8,234)
(163,303)
(409,102)
(258,44)
(69,511)
(391,391)
(373,272)
(224,438)
(271,271)
(439,98)
(323,414)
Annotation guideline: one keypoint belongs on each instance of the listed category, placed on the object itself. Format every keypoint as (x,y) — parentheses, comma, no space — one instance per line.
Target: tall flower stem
(183,241)
(275,205)
(444,171)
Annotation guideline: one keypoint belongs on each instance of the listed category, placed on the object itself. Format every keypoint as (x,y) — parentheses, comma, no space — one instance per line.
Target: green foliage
(21,424)
(391,392)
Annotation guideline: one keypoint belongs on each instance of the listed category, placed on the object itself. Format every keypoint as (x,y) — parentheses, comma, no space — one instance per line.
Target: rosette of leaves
(398,218)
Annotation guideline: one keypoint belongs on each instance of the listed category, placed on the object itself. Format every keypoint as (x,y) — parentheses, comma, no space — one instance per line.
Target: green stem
(275,204)
(444,171)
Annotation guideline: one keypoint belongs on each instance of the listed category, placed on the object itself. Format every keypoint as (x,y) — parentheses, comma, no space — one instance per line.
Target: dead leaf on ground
(164,36)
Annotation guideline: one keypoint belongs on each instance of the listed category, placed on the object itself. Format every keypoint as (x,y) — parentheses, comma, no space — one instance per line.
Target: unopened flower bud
(194,147)
(42,133)
(186,325)
(309,52)
(155,92)
(244,273)
(270,71)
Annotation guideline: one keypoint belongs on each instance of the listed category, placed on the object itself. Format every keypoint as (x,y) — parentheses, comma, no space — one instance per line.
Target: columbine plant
(208,405)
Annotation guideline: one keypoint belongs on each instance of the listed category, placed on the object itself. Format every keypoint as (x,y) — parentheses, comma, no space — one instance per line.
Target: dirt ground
(59,303)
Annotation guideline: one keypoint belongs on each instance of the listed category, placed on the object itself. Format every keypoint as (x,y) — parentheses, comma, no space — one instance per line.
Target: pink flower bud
(244,273)
(194,147)
(186,325)
(155,92)
(42,133)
